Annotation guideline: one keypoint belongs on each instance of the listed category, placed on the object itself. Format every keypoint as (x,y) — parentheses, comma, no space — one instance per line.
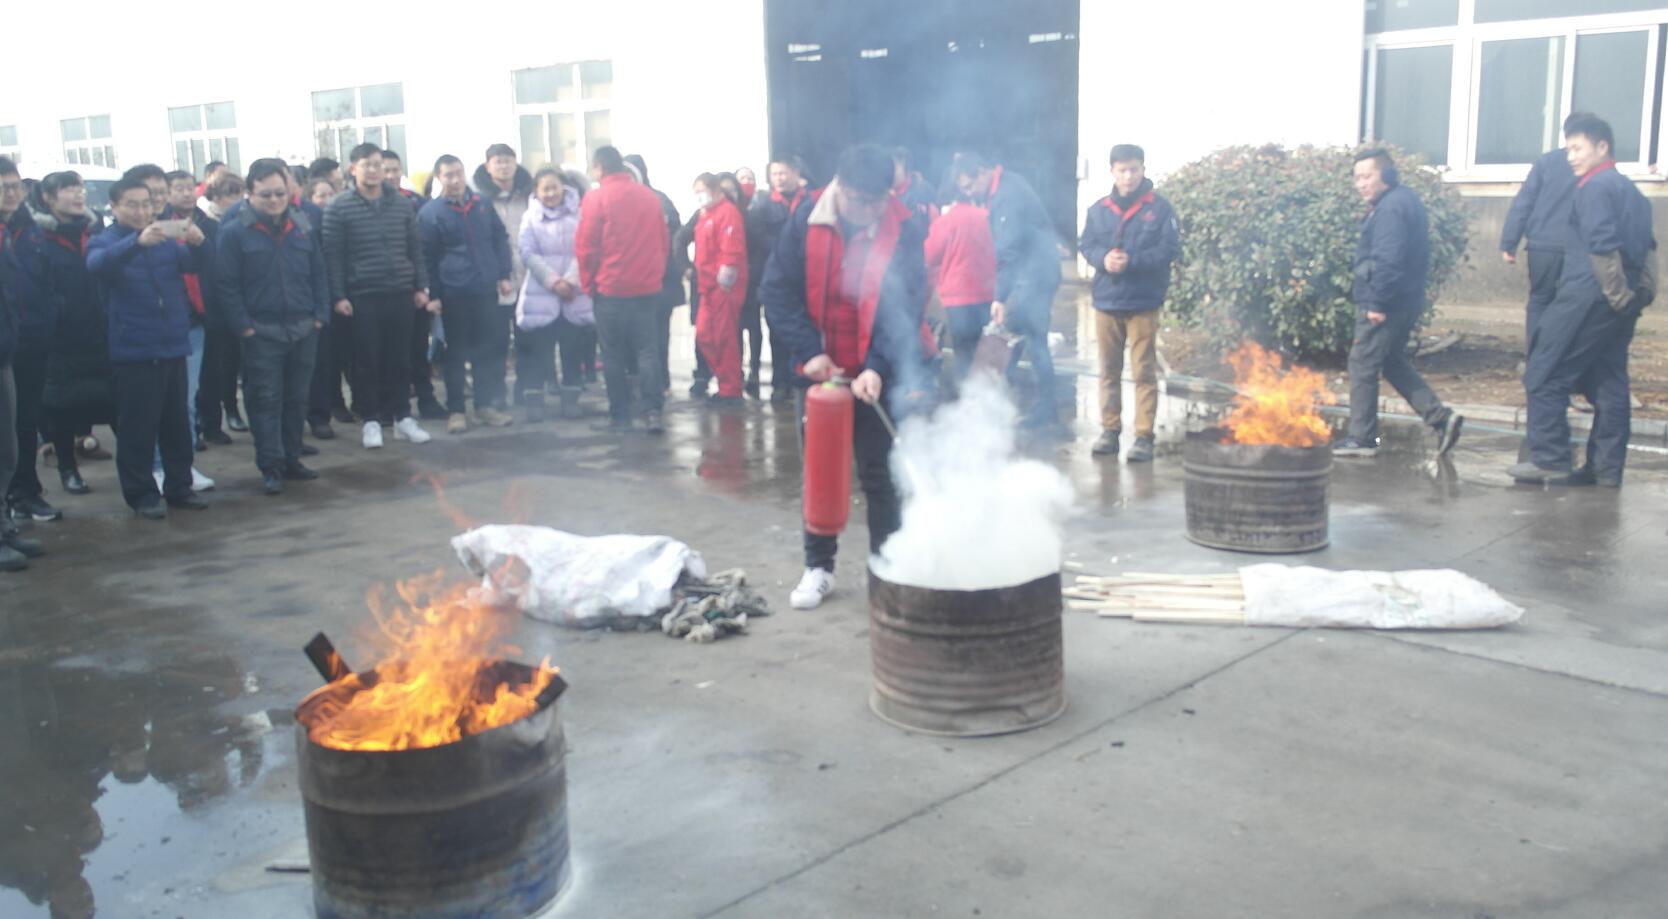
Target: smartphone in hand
(173,229)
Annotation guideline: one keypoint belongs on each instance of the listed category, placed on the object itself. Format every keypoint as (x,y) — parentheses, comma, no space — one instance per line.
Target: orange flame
(1275,405)
(437,683)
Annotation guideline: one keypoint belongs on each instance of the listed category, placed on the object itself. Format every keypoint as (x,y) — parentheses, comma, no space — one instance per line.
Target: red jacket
(622,242)
(961,256)
(720,239)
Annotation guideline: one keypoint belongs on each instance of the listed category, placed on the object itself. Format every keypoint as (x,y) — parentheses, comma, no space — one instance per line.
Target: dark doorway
(936,76)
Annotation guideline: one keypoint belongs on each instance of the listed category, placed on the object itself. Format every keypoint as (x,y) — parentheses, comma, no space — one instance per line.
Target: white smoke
(974,515)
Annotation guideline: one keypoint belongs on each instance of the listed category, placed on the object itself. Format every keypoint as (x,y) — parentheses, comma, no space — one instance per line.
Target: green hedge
(1267,239)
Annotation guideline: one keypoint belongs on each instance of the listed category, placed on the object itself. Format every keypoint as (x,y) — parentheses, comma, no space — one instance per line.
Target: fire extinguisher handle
(885,419)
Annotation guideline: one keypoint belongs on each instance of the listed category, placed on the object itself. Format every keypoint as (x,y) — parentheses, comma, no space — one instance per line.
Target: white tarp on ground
(1427,599)
(577,580)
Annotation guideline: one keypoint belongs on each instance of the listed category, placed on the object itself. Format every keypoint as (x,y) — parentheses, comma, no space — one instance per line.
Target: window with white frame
(1482,86)
(88,141)
(9,147)
(345,118)
(204,134)
(563,112)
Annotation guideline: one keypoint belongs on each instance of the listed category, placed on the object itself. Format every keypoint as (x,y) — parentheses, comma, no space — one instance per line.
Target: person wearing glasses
(141,267)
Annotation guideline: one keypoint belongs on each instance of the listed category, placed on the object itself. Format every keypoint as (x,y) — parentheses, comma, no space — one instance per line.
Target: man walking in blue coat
(1130,237)
(142,273)
(1540,219)
(1391,263)
(1581,344)
(274,297)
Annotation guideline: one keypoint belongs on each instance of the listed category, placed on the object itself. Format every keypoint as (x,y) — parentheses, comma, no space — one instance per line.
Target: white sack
(576,580)
(1428,599)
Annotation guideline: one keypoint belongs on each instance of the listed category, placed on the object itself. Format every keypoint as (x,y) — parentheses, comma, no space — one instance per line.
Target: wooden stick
(1194,619)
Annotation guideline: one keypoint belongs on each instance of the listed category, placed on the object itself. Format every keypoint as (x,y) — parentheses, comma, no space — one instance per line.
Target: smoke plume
(974,516)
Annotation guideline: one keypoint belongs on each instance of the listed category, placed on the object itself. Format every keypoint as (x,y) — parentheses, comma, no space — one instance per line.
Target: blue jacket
(144,294)
(465,246)
(8,301)
(271,278)
(1146,231)
(1541,210)
(1610,217)
(1393,256)
(53,272)
(1027,258)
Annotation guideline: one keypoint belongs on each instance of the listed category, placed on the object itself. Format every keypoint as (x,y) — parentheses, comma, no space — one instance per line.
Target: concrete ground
(147,672)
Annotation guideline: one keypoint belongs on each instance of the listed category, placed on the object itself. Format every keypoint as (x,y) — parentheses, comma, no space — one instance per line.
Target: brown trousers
(1140,332)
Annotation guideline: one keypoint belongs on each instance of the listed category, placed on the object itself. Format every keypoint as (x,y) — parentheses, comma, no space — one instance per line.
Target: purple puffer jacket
(546,243)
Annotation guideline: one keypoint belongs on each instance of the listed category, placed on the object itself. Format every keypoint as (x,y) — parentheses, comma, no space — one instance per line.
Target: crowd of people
(311,284)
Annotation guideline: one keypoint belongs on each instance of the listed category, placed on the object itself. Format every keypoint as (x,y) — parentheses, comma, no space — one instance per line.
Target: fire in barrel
(1259,482)
(434,783)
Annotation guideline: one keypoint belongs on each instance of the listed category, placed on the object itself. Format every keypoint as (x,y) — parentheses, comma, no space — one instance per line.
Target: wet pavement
(147,673)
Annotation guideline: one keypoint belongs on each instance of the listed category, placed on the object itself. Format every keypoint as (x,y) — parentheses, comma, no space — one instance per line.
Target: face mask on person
(702,198)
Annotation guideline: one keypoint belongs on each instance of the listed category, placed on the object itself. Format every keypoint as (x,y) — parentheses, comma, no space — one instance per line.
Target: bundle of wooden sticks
(1146,597)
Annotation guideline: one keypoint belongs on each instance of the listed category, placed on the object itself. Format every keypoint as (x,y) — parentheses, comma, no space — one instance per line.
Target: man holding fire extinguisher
(845,289)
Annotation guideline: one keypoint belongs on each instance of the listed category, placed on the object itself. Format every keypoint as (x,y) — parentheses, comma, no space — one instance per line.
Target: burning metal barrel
(967,662)
(1256,497)
(476,827)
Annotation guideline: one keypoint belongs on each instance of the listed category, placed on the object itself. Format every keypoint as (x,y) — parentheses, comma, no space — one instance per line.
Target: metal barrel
(477,828)
(1253,497)
(966,663)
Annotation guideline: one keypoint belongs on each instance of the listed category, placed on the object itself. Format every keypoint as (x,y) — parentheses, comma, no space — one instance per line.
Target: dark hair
(7,167)
(224,184)
(144,172)
(394,155)
(213,164)
(124,185)
(314,182)
(1381,158)
(547,172)
(49,187)
(1592,127)
(445,159)
(642,167)
(265,168)
(1123,153)
(867,168)
(608,159)
(786,159)
(500,150)
(363,151)
(967,164)
(322,166)
(179,174)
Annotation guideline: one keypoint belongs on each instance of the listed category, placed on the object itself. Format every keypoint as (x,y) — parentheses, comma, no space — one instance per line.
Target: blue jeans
(193,370)
(967,325)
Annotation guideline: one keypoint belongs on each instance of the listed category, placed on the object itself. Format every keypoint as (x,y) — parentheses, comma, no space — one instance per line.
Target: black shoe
(153,511)
(13,560)
(780,393)
(272,484)
(309,450)
(698,389)
(751,387)
(344,416)
(217,437)
(322,430)
(72,481)
(1448,432)
(34,508)
(653,424)
(235,421)
(190,501)
(296,472)
(1106,444)
(1141,451)
(1531,474)
(722,401)
(430,409)
(1586,476)
(1351,448)
(200,445)
(88,448)
(28,548)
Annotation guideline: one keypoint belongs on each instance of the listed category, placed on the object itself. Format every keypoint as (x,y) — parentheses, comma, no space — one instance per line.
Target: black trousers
(151,414)
(1544,267)
(578,344)
(422,372)
(334,362)
(1382,348)
(217,381)
(381,351)
(627,328)
(29,376)
(871,447)
(477,343)
(276,376)
(1580,348)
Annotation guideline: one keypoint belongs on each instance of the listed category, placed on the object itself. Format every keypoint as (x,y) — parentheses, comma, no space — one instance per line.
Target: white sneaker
(200,482)
(373,435)
(408,429)
(813,587)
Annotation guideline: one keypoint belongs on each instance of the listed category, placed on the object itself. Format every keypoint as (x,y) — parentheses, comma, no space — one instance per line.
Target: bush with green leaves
(1267,240)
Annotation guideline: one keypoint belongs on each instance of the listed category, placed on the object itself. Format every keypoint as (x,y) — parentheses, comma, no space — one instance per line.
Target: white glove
(727,276)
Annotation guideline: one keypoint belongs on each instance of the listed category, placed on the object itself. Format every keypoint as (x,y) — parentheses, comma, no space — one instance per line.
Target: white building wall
(1185,77)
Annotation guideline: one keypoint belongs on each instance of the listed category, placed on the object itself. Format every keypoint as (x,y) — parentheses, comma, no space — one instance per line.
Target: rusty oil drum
(475,828)
(966,663)
(1256,498)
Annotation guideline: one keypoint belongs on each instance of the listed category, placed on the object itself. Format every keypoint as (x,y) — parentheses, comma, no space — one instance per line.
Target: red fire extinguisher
(828,417)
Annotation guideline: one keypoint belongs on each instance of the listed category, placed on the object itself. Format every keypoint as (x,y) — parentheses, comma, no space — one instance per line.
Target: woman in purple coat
(553,311)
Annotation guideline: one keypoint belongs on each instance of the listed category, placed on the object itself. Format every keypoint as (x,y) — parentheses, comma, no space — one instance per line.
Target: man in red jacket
(961,263)
(721,277)
(621,247)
